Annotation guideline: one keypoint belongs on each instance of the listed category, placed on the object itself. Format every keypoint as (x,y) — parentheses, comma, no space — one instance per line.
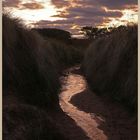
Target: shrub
(110,66)
(28,72)
(54,33)
(66,55)
(25,122)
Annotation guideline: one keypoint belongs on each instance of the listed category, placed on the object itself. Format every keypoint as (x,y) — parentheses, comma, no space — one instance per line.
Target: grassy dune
(66,50)
(30,82)
(25,122)
(110,66)
(32,67)
(27,71)
(66,55)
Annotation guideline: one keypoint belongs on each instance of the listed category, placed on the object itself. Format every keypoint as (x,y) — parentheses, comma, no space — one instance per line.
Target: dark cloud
(117,4)
(78,13)
(85,16)
(111,4)
(17,3)
(10,3)
(32,6)
(90,12)
(65,25)
(82,16)
(60,3)
(70,23)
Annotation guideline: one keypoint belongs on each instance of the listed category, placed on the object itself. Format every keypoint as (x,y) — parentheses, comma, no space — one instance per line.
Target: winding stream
(74,84)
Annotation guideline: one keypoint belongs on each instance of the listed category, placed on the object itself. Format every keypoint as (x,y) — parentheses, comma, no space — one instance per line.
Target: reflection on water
(74,84)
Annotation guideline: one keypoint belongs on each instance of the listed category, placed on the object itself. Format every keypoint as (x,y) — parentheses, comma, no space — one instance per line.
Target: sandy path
(99,119)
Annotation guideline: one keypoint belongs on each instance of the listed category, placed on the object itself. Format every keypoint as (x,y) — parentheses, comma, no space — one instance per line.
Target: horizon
(72,15)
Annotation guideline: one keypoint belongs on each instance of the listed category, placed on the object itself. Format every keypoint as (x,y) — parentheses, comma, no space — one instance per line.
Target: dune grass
(26,122)
(27,71)
(67,55)
(110,66)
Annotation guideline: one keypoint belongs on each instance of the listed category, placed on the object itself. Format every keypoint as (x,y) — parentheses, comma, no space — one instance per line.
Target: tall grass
(110,66)
(28,72)
(31,71)
(26,122)
(66,55)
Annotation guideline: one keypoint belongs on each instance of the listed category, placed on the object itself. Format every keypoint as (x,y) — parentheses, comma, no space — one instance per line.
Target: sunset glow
(71,15)
(129,16)
(34,14)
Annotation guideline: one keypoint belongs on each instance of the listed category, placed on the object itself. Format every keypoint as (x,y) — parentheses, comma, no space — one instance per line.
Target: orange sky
(71,15)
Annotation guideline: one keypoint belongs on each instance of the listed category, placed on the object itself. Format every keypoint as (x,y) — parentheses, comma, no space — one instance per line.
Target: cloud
(60,3)
(60,24)
(111,4)
(22,5)
(87,15)
(32,6)
(71,24)
(93,11)
(77,13)
(117,4)
(9,3)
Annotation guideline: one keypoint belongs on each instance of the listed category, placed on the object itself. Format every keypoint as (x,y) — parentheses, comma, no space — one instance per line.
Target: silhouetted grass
(28,72)
(110,66)
(31,72)
(81,45)
(25,122)
(66,55)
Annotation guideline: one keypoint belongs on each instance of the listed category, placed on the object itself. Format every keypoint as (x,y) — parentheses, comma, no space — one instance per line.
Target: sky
(72,15)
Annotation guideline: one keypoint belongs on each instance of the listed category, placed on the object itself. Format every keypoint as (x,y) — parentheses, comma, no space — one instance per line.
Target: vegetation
(62,47)
(81,45)
(66,55)
(33,61)
(110,66)
(28,72)
(25,122)
(30,84)
(54,33)
(95,32)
